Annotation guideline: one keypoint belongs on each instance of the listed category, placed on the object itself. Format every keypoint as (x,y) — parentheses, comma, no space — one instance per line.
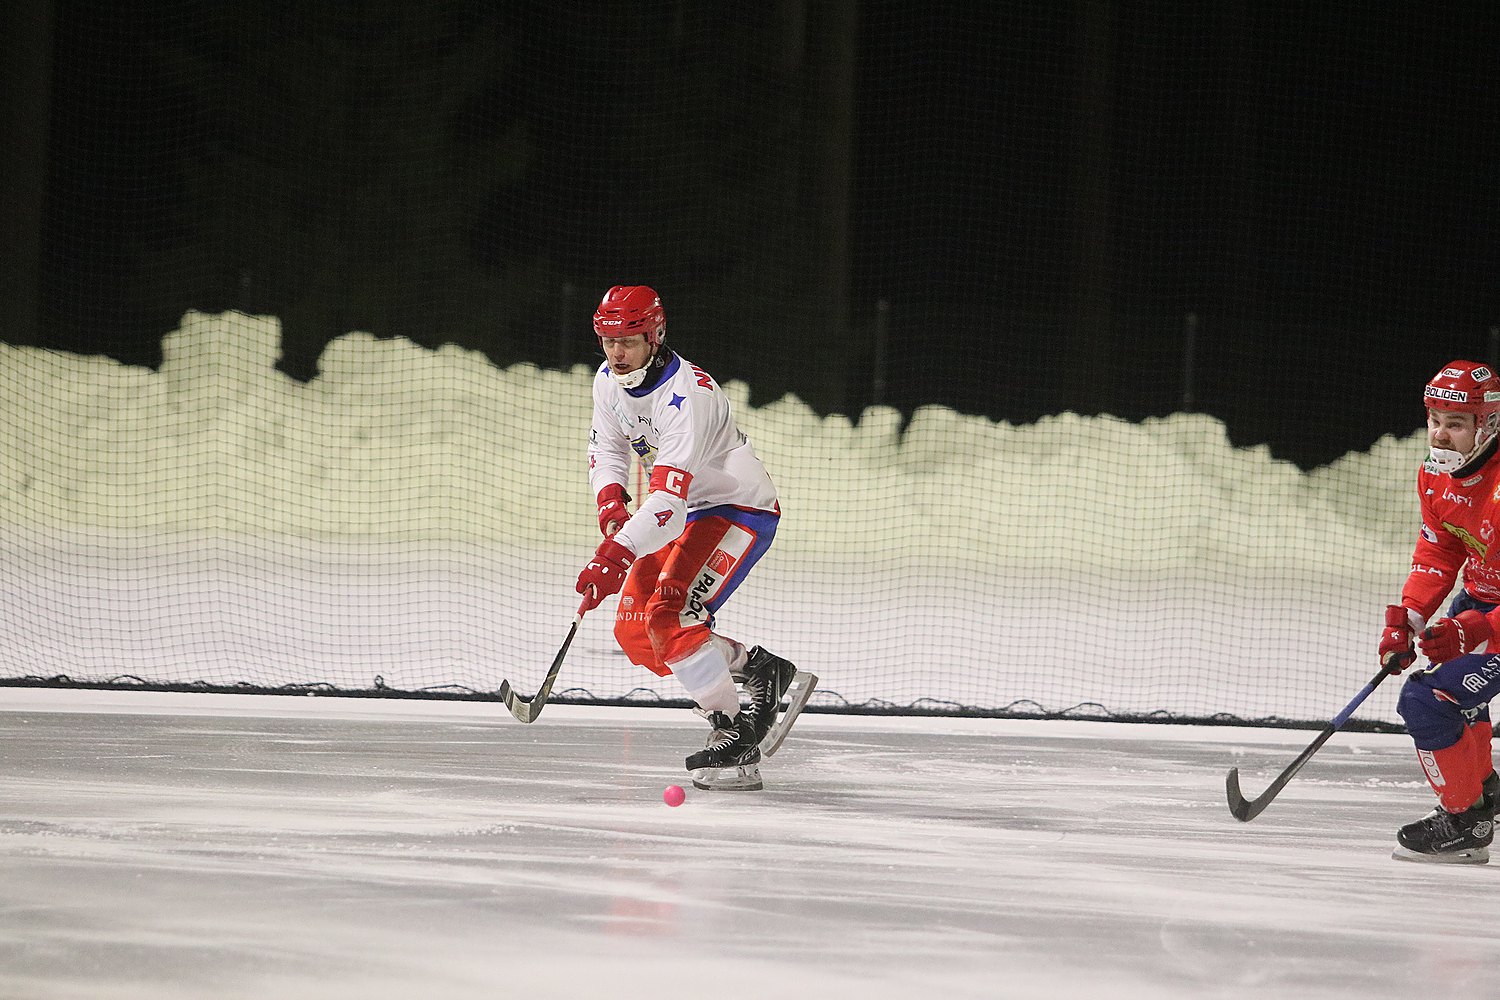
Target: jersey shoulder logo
(662,518)
(703,377)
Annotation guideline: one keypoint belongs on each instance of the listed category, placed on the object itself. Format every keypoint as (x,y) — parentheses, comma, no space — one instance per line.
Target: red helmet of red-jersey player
(1465,386)
(627,310)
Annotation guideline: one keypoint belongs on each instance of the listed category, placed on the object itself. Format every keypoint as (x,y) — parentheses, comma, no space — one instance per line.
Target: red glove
(612,512)
(1396,652)
(1451,637)
(605,573)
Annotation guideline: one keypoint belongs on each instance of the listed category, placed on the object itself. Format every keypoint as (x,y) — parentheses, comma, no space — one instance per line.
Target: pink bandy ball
(674,795)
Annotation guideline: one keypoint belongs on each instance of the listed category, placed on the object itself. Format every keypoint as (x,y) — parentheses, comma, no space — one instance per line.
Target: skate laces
(1446,824)
(725,731)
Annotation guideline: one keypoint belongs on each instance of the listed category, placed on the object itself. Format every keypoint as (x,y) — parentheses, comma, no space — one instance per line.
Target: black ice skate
(768,679)
(730,760)
(1452,838)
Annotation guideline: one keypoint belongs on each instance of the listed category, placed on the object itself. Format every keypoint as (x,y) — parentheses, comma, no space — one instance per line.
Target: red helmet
(1465,386)
(627,310)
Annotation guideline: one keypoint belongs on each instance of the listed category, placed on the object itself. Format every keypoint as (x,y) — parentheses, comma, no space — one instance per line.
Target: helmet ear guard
(1486,429)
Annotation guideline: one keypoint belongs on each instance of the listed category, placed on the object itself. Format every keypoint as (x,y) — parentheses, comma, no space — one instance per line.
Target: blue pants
(1437,703)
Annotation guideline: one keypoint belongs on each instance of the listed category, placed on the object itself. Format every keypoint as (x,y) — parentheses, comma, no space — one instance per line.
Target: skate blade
(797,694)
(744,778)
(1468,856)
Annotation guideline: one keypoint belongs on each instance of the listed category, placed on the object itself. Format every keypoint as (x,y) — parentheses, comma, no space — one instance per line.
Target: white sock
(705,676)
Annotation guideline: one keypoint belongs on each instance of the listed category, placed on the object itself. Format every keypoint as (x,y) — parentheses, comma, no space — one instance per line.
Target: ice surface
(187,846)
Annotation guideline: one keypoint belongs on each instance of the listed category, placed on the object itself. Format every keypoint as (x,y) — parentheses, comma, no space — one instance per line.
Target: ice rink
(194,846)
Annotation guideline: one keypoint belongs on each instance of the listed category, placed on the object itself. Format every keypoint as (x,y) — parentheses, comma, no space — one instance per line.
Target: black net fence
(1083,341)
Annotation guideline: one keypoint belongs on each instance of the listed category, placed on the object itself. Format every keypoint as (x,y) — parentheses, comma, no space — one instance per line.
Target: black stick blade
(519,707)
(1239,807)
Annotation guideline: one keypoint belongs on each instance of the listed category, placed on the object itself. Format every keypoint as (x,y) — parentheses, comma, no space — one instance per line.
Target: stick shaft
(1245,810)
(527,709)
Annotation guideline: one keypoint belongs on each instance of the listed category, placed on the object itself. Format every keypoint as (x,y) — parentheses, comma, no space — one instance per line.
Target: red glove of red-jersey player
(1396,652)
(612,512)
(605,573)
(1451,637)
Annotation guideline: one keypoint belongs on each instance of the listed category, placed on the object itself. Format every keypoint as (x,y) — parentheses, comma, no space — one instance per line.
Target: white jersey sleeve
(662,515)
(609,448)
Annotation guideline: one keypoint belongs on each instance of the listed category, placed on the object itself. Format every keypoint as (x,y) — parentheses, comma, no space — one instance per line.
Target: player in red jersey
(1446,706)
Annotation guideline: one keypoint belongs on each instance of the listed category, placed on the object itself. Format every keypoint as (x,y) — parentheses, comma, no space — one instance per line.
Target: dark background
(1282,214)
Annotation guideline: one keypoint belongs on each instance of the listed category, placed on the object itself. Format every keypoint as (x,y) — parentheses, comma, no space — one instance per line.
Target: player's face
(1450,430)
(626,354)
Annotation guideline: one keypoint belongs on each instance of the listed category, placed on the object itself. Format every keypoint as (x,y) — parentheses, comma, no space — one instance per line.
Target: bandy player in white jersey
(710,514)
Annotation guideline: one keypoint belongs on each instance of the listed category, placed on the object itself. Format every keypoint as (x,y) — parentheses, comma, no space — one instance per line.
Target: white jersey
(687,440)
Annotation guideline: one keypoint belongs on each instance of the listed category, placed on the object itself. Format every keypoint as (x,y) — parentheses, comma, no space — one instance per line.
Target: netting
(1083,343)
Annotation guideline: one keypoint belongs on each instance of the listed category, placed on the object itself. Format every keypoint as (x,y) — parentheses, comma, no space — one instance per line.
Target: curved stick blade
(519,707)
(1241,809)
